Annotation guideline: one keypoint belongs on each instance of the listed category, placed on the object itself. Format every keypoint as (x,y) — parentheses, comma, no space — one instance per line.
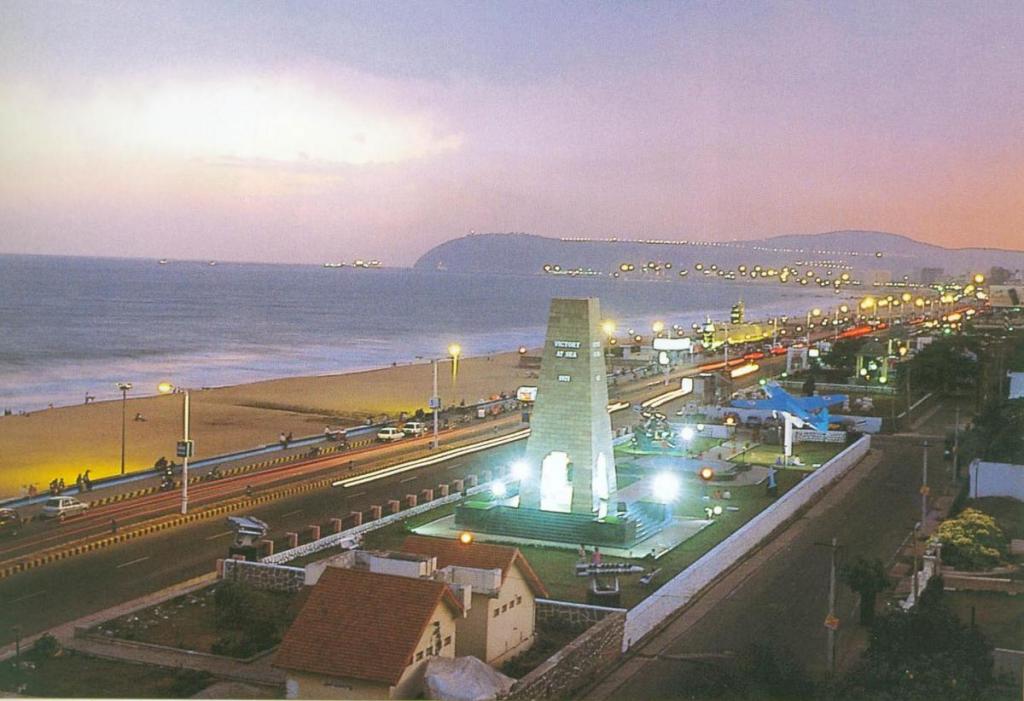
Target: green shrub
(46,646)
(972,541)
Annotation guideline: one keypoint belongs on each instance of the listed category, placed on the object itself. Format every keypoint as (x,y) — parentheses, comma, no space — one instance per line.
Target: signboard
(831,622)
(686,385)
(673,344)
(526,394)
(185,449)
(1006,295)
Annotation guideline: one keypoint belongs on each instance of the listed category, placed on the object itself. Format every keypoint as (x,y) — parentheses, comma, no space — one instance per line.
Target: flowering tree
(972,541)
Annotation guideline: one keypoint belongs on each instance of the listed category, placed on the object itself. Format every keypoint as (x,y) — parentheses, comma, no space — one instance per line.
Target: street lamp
(435,401)
(124,387)
(185,446)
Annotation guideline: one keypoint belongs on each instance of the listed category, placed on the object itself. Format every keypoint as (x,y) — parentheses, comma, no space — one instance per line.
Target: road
(781,599)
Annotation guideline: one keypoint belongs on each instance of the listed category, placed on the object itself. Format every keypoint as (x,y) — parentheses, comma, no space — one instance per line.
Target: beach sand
(63,442)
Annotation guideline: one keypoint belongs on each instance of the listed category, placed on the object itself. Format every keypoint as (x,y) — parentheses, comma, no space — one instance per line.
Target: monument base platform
(639,522)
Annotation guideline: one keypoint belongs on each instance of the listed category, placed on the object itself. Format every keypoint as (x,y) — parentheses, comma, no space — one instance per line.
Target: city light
(687,434)
(465,537)
(498,488)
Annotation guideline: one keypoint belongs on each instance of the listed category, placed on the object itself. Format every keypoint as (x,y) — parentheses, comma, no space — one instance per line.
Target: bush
(972,541)
(252,618)
(46,646)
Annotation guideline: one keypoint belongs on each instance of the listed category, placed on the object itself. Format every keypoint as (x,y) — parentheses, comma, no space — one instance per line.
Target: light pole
(185,447)
(124,387)
(924,484)
(435,401)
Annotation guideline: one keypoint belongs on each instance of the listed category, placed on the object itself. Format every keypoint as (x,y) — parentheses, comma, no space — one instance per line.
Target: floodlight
(520,470)
(465,537)
(706,473)
(665,486)
(498,488)
(717,510)
(687,433)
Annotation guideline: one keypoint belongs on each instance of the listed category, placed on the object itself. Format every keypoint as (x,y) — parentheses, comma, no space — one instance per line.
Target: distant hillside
(863,251)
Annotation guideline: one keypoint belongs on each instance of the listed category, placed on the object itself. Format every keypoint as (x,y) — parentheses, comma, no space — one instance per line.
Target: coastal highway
(68,589)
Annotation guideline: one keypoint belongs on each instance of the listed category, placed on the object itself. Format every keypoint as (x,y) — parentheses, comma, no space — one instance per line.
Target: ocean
(76,326)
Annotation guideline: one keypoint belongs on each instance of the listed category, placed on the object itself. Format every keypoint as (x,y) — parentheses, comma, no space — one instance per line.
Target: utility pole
(924,485)
(956,446)
(831,622)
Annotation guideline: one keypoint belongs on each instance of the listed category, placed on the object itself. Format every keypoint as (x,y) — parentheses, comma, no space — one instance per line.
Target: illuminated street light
(520,470)
(658,326)
(124,387)
(498,488)
(465,537)
(185,448)
(608,326)
(687,433)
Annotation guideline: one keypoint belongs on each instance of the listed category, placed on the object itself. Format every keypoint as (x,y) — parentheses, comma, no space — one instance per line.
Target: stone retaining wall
(573,616)
(264,576)
(576,664)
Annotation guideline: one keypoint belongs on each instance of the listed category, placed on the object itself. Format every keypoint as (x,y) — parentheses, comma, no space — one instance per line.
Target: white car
(390,433)
(414,428)
(61,507)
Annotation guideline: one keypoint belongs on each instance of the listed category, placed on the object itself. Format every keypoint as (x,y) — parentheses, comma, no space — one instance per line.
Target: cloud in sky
(311,130)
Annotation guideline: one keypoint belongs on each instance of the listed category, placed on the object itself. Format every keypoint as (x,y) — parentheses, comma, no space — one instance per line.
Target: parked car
(10,522)
(390,433)
(61,507)
(414,428)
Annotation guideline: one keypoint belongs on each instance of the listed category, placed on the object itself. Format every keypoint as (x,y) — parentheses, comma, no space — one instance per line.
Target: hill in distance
(861,251)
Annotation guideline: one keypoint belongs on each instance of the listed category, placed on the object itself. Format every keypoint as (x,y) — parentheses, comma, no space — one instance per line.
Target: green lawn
(810,454)
(697,445)
(999,616)
(71,675)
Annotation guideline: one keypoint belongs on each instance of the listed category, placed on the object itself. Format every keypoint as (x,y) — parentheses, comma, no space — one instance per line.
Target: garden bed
(226,619)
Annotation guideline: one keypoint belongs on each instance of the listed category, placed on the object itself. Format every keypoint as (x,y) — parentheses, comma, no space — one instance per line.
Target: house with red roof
(501,618)
(367,635)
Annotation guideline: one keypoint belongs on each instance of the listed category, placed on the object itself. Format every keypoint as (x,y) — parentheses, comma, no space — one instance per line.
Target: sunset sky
(307,132)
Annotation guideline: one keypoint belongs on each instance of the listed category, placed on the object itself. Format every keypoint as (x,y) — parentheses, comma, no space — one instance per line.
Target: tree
(922,654)
(944,365)
(972,541)
(867,578)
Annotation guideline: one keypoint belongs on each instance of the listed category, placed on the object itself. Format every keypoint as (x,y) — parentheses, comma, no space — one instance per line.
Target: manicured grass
(696,446)
(810,454)
(71,675)
(999,616)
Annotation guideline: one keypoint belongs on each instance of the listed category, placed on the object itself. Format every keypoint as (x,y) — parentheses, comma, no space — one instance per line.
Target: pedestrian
(32,491)
(287,439)
(86,481)
(113,526)
(79,483)
(60,485)
(583,553)
(596,559)
(248,490)
(283,440)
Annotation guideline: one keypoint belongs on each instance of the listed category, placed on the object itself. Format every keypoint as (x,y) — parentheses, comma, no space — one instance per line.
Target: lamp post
(185,446)
(435,401)
(124,387)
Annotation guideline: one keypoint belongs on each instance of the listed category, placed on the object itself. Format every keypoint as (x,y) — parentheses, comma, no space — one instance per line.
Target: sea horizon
(78,325)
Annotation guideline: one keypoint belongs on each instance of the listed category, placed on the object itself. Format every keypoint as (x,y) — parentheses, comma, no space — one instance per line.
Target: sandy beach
(62,442)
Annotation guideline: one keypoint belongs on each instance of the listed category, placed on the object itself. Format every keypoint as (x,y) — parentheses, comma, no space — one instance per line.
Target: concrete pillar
(356,518)
(410,501)
(314,532)
(292,539)
(394,506)
(426,495)
(457,485)
(442,490)
(267,546)
(335,525)
(375,512)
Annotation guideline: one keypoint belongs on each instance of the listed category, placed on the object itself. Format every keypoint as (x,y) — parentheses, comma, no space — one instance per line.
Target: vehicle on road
(10,522)
(390,433)
(62,507)
(414,428)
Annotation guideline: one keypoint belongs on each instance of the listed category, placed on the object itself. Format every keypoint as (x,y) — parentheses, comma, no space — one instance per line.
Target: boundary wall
(675,594)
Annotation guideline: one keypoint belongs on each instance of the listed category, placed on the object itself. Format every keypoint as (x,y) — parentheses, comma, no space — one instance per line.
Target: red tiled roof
(486,556)
(362,624)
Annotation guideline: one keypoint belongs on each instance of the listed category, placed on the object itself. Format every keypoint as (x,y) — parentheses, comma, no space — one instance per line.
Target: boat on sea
(212,263)
(334,265)
(163,261)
